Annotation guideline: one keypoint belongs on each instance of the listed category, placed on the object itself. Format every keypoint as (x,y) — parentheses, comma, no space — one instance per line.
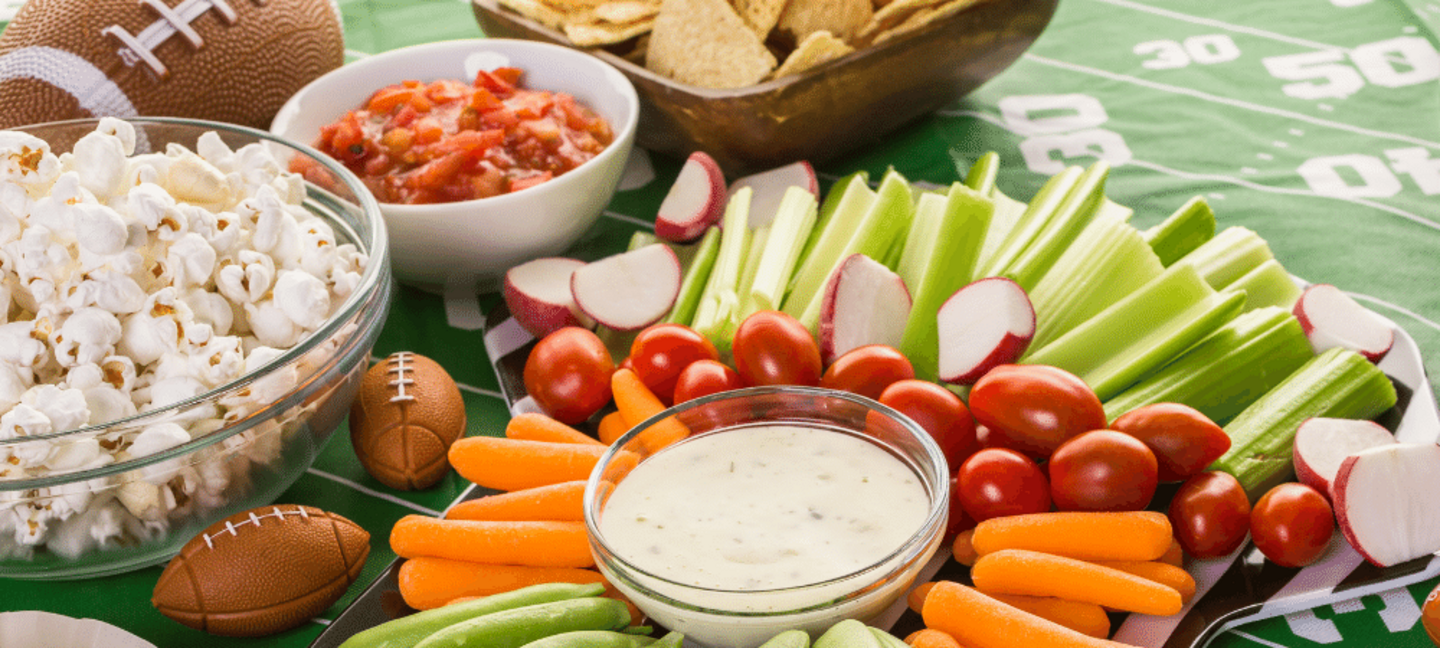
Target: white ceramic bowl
(470,244)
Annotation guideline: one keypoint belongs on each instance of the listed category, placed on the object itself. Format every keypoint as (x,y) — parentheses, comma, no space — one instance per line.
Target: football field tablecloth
(1314,122)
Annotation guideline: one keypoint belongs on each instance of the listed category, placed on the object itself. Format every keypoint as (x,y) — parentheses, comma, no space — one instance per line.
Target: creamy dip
(764,507)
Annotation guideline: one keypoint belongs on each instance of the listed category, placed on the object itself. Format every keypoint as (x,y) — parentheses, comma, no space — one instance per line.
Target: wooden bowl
(823,112)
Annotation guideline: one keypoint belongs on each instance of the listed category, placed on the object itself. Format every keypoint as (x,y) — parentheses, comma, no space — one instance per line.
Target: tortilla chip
(889,16)
(625,12)
(537,11)
(705,43)
(637,54)
(817,48)
(761,15)
(922,18)
(843,18)
(592,34)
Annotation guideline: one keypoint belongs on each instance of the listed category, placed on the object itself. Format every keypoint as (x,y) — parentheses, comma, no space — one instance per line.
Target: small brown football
(1430,616)
(225,60)
(262,571)
(408,413)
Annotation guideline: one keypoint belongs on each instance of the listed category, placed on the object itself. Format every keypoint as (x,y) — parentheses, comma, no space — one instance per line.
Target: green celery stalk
(1032,221)
(1186,229)
(1070,218)
(1267,285)
(788,232)
(1164,344)
(720,298)
(1227,257)
(829,205)
(696,275)
(929,211)
(887,218)
(1338,383)
(947,263)
(1227,371)
(831,233)
(758,238)
(981,176)
(1107,262)
(640,238)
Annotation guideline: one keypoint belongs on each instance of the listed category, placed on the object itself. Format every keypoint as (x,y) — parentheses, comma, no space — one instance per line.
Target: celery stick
(1225,372)
(1267,285)
(758,238)
(1107,262)
(1338,383)
(1032,221)
(829,205)
(947,265)
(1078,210)
(1227,257)
(891,258)
(1163,344)
(833,232)
(788,232)
(929,211)
(981,178)
(696,274)
(641,239)
(720,297)
(1186,229)
(982,174)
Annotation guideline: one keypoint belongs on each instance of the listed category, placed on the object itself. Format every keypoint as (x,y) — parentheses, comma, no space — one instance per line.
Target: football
(262,571)
(1430,616)
(408,413)
(233,61)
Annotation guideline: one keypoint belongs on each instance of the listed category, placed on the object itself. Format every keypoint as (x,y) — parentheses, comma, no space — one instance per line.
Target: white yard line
(374,493)
(1258,640)
(1399,309)
(480,390)
(1219,24)
(323,622)
(356,54)
(650,225)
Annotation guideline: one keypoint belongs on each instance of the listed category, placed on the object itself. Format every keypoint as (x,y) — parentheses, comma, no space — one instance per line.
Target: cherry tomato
(997,482)
(940,412)
(772,348)
(568,374)
(703,378)
(1210,514)
(868,370)
(1102,470)
(1184,440)
(1292,524)
(660,352)
(1034,408)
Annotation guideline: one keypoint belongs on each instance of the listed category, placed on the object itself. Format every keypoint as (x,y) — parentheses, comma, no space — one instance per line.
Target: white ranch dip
(764,507)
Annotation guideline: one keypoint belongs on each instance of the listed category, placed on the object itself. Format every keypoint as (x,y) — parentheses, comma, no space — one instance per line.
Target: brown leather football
(408,413)
(234,61)
(262,571)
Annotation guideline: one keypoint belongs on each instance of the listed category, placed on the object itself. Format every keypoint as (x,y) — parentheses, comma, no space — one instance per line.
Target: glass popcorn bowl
(128,493)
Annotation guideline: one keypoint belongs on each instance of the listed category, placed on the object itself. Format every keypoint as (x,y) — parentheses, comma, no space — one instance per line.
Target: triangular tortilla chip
(761,15)
(922,18)
(817,48)
(843,18)
(705,43)
(592,34)
(625,12)
(536,11)
(889,16)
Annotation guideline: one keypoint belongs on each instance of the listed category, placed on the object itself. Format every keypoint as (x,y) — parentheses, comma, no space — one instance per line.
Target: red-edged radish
(1322,444)
(1331,318)
(695,202)
(770,186)
(1385,502)
(538,296)
(628,291)
(865,303)
(985,324)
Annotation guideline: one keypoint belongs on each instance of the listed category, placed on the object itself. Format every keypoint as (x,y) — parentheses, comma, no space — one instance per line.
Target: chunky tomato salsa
(447,140)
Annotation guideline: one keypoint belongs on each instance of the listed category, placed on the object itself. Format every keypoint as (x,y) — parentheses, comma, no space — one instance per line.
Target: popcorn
(64,408)
(22,344)
(26,161)
(211,309)
(191,259)
(99,229)
(158,328)
(109,290)
(191,179)
(89,335)
(13,383)
(271,326)
(99,158)
(303,298)
(246,280)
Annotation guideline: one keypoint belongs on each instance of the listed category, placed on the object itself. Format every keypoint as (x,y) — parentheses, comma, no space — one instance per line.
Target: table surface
(1314,122)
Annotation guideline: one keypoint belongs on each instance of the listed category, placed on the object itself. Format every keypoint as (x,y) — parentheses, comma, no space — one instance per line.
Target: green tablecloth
(1314,122)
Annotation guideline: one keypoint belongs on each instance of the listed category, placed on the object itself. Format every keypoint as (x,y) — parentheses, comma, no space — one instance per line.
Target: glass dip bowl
(702,591)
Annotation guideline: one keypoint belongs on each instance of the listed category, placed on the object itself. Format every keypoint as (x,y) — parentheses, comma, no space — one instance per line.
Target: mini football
(408,413)
(233,61)
(1430,616)
(262,571)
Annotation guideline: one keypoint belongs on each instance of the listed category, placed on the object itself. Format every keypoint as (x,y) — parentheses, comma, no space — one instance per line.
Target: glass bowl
(250,438)
(713,613)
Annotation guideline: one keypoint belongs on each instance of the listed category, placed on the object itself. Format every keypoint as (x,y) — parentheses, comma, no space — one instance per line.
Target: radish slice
(538,296)
(629,291)
(1322,444)
(770,186)
(695,202)
(983,325)
(1330,318)
(1385,502)
(864,303)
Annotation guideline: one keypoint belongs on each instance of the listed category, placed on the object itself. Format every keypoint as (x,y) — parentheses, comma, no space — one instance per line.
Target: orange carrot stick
(915,600)
(636,403)
(978,621)
(929,638)
(427,583)
(1168,575)
(1128,535)
(612,427)
(1084,618)
(539,427)
(1016,571)
(533,544)
(562,502)
(963,549)
(1175,555)
(510,464)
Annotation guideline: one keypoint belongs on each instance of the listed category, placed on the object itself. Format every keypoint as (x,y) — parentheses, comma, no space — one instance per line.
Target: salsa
(447,141)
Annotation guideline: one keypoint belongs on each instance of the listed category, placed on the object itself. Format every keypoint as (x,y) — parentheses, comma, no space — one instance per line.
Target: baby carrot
(562,502)
(510,464)
(1168,575)
(1084,618)
(539,427)
(636,403)
(1083,535)
(532,544)
(963,549)
(427,583)
(915,600)
(978,621)
(612,427)
(930,638)
(1175,555)
(1016,571)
